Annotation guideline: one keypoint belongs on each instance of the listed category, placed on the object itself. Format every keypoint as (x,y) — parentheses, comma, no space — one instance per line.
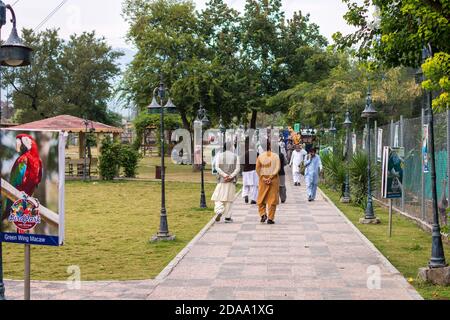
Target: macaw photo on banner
(32,187)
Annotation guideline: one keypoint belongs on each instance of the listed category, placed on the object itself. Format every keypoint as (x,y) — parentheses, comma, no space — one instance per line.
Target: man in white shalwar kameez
(227,166)
(250,179)
(297,158)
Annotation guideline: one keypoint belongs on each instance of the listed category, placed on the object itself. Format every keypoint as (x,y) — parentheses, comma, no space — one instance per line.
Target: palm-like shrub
(334,171)
(358,178)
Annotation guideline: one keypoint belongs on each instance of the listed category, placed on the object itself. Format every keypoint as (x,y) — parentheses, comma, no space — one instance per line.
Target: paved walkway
(312,252)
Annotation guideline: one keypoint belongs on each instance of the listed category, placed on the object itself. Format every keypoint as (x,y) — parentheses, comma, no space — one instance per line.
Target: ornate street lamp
(12,54)
(163,233)
(437,259)
(86,123)
(369,113)
(347,124)
(203,121)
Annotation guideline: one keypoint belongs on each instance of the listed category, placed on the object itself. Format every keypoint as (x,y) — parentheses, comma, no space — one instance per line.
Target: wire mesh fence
(408,133)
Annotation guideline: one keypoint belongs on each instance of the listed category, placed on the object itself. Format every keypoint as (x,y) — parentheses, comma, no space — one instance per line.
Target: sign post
(32,191)
(392,178)
(27,275)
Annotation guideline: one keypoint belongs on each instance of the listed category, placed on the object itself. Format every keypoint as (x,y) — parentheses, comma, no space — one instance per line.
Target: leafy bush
(129,159)
(359,176)
(334,170)
(109,160)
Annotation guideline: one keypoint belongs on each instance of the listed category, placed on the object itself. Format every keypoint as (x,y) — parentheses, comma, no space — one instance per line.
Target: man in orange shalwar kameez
(267,168)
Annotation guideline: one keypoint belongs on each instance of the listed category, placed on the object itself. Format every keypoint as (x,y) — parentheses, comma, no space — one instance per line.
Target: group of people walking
(264,178)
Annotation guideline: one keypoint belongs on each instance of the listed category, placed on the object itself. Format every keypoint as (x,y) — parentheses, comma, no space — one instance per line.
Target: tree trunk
(253,120)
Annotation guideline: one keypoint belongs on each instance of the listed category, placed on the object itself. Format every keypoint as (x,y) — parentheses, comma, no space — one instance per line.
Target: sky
(105,17)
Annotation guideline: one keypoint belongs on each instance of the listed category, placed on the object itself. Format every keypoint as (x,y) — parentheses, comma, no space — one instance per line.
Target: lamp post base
(203,201)
(436,276)
(2,292)
(162,237)
(370,221)
(346,199)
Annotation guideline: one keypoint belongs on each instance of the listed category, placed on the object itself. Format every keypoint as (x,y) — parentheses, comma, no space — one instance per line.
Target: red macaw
(26,173)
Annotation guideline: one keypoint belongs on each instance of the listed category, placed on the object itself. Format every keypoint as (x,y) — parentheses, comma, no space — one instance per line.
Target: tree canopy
(232,63)
(66,77)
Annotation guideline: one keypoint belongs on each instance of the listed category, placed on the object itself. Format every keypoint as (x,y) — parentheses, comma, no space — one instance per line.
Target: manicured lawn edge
(408,250)
(411,290)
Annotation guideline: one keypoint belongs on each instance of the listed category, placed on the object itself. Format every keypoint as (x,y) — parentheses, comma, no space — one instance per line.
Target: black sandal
(263,218)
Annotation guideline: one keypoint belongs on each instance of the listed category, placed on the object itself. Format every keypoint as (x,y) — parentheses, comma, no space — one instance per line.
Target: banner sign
(393,165)
(380,145)
(297,127)
(426,166)
(32,187)
(354,142)
(396,134)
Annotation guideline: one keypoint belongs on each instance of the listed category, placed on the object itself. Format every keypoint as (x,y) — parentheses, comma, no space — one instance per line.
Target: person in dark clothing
(282,175)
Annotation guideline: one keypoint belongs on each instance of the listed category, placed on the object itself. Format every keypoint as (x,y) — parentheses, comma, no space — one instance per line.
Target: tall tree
(166,34)
(73,77)
(396,34)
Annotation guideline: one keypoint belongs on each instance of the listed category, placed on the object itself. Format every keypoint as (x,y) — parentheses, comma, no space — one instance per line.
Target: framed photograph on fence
(393,165)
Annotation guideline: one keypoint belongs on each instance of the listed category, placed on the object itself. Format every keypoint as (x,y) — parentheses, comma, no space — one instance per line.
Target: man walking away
(228,167)
(313,166)
(282,175)
(249,176)
(267,168)
(298,157)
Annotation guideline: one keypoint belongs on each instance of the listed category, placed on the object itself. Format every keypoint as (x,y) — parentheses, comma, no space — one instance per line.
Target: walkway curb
(175,261)
(411,290)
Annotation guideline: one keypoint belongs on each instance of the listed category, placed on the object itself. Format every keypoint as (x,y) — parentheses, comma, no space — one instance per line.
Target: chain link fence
(408,133)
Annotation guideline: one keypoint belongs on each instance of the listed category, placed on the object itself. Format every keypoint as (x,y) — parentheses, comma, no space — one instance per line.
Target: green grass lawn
(147,168)
(408,250)
(108,227)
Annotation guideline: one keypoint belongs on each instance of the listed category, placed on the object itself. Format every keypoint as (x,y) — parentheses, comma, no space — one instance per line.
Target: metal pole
(422,198)
(369,209)
(2,284)
(202,194)
(346,198)
(402,144)
(163,233)
(448,157)
(390,218)
(27,274)
(437,259)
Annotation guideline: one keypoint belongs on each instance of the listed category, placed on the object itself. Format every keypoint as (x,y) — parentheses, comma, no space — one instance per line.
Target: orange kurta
(268,166)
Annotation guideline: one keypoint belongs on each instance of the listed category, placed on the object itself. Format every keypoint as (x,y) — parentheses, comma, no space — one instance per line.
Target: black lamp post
(347,124)
(203,122)
(437,259)
(12,54)
(86,123)
(163,233)
(369,113)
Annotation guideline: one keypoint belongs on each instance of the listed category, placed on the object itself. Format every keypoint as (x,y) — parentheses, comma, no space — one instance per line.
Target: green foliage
(397,31)
(359,178)
(145,120)
(230,62)
(129,160)
(345,88)
(335,171)
(109,160)
(437,72)
(67,77)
